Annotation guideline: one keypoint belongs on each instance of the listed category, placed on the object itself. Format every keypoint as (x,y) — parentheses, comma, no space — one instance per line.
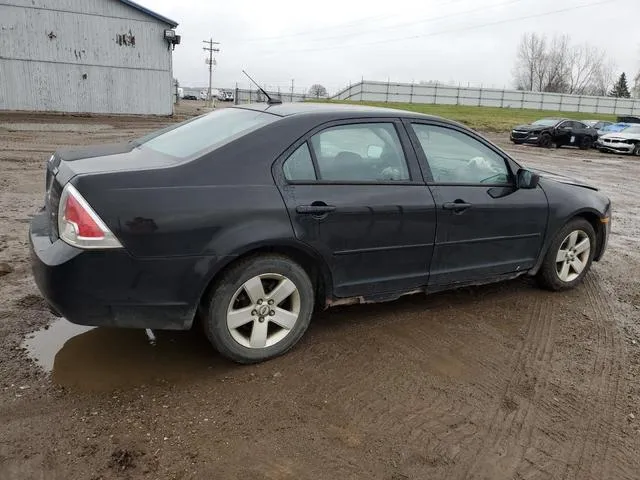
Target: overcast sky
(334,42)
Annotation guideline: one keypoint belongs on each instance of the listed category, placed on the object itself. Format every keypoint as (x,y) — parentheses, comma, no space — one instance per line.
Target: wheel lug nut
(260,302)
(272,313)
(253,312)
(261,319)
(271,302)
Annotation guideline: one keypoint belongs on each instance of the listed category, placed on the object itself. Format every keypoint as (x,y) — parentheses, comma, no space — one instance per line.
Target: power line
(462,29)
(418,22)
(353,23)
(210,48)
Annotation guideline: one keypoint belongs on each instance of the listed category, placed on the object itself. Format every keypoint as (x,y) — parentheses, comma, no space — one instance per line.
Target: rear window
(206,133)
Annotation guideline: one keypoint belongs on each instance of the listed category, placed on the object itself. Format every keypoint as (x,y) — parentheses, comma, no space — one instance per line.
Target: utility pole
(209,48)
(292,89)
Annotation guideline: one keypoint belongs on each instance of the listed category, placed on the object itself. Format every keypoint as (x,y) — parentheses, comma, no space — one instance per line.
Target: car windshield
(633,130)
(207,132)
(546,122)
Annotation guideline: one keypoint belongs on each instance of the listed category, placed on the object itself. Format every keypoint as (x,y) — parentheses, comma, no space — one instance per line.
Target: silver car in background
(624,141)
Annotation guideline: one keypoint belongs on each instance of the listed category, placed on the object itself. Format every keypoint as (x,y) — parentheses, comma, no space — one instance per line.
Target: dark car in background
(250,218)
(190,97)
(597,124)
(555,131)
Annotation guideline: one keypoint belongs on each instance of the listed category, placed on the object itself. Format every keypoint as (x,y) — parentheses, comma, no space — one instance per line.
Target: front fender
(567,202)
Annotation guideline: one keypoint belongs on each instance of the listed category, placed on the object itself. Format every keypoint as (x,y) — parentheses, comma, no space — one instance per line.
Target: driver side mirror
(527,179)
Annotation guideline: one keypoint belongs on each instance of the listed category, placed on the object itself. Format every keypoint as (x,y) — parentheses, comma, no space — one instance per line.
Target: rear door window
(361,152)
(299,166)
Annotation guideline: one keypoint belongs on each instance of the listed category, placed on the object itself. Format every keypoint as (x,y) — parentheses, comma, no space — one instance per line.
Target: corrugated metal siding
(55,60)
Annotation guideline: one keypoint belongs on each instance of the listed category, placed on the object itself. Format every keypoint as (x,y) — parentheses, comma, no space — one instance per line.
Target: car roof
(333,110)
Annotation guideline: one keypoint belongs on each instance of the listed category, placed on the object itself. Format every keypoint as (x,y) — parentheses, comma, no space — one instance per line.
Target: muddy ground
(500,382)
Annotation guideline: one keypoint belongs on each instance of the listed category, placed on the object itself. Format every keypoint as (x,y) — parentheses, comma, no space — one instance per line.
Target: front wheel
(636,150)
(569,256)
(545,140)
(259,309)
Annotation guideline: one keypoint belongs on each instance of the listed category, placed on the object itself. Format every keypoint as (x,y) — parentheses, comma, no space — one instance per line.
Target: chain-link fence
(243,96)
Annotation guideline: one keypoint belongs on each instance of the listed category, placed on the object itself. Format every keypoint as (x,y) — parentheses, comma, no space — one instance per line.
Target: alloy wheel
(573,255)
(263,311)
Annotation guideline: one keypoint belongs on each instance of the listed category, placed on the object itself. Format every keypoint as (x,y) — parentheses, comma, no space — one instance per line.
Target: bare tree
(636,86)
(531,51)
(317,91)
(557,66)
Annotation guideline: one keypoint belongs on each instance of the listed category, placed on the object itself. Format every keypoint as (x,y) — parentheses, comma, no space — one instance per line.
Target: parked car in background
(225,95)
(624,141)
(190,96)
(597,124)
(629,119)
(555,131)
(204,95)
(330,205)
(614,127)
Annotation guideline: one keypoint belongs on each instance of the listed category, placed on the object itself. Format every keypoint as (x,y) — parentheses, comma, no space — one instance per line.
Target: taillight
(79,225)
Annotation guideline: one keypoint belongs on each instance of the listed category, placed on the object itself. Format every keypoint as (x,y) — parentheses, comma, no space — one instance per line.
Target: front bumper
(110,287)
(532,138)
(615,147)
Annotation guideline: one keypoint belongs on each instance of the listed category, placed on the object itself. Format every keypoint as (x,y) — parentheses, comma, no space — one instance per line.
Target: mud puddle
(105,359)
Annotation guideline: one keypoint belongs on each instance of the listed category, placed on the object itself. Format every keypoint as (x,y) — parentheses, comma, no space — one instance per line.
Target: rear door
(486,226)
(355,194)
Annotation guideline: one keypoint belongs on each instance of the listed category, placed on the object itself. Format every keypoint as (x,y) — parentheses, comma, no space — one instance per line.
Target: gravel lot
(498,382)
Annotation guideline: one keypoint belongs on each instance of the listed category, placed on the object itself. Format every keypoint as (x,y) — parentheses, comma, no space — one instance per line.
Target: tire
(586,143)
(517,142)
(551,272)
(545,141)
(231,294)
(636,150)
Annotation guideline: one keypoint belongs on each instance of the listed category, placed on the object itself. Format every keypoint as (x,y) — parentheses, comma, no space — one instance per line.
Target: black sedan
(249,218)
(555,131)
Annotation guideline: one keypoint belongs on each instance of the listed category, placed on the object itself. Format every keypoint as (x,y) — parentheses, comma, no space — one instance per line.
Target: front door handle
(315,210)
(458,206)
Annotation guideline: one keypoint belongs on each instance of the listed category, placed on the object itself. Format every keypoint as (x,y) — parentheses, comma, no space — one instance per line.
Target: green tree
(621,89)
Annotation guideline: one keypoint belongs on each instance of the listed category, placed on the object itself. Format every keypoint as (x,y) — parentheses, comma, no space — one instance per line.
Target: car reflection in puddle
(103,359)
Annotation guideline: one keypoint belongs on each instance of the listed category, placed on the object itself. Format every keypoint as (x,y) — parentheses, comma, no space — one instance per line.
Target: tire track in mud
(599,413)
(512,422)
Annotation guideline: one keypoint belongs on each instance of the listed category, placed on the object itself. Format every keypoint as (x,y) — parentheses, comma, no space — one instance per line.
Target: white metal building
(93,56)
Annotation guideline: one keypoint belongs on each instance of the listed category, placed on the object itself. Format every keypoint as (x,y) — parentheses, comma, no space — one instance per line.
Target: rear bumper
(110,287)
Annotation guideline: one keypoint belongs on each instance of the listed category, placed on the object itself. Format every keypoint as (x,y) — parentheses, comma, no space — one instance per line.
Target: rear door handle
(315,209)
(457,206)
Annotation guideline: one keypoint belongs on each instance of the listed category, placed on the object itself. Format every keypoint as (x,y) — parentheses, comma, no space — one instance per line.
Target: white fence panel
(490,97)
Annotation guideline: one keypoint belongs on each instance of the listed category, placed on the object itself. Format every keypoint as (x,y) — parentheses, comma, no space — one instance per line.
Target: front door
(355,194)
(486,226)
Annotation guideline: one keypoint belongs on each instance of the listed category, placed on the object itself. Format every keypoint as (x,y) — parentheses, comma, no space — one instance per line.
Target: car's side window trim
(314,160)
(424,163)
(412,162)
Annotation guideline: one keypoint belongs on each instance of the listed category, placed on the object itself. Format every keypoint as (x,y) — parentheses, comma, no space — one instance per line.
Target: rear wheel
(545,140)
(259,309)
(586,143)
(569,257)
